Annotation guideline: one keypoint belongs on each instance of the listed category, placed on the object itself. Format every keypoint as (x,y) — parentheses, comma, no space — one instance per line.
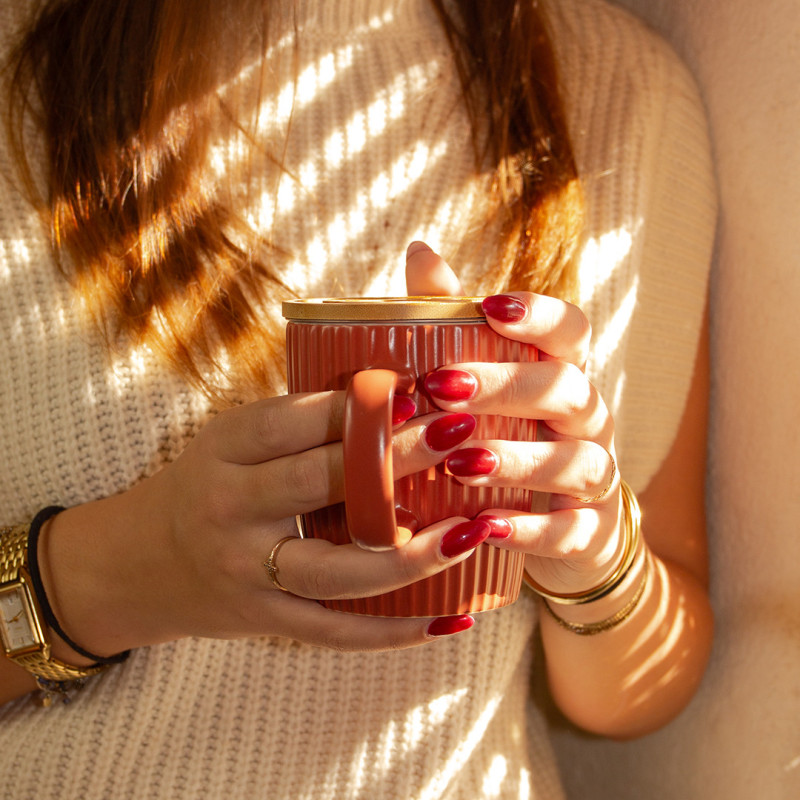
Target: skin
(181,553)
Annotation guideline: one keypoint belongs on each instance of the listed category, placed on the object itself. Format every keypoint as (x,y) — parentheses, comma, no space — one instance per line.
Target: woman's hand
(182,554)
(572,545)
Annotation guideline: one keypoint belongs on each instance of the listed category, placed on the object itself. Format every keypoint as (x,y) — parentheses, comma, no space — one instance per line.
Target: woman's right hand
(182,553)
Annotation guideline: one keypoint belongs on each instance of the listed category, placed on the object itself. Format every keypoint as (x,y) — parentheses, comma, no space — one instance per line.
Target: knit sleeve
(680,216)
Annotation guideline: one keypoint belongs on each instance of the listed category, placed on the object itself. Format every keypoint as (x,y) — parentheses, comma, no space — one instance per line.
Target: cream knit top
(381,153)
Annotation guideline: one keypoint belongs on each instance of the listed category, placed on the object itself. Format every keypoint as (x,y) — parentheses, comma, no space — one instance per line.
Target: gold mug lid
(386,309)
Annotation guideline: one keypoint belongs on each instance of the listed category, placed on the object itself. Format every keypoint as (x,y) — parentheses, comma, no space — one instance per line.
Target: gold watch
(22,628)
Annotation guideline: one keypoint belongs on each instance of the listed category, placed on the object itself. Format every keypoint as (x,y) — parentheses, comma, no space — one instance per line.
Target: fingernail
(504,308)
(451,384)
(416,247)
(403,408)
(472,461)
(445,626)
(501,527)
(463,537)
(444,433)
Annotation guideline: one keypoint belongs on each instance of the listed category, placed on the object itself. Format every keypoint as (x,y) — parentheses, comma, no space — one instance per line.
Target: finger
(277,426)
(583,535)
(303,482)
(565,548)
(269,428)
(317,569)
(428,274)
(582,470)
(307,621)
(557,328)
(555,392)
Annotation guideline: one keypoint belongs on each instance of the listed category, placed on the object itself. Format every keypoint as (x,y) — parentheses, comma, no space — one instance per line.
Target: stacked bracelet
(592,628)
(632,536)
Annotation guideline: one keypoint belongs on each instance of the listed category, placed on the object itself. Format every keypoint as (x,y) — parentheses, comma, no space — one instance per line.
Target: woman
(195,163)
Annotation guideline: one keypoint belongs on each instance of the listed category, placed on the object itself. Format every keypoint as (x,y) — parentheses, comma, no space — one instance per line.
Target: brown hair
(124,95)
(507,67)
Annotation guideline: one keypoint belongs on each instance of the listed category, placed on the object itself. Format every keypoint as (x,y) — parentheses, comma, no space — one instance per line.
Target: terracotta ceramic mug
(375,347)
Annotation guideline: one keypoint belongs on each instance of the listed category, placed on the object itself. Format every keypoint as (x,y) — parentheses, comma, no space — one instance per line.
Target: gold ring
(598,497)
(272,567)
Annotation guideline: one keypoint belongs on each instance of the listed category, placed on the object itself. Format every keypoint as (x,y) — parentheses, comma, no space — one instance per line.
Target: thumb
(428,273)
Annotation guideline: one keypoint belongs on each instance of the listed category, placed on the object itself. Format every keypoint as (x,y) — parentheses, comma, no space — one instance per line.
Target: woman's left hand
(573,544)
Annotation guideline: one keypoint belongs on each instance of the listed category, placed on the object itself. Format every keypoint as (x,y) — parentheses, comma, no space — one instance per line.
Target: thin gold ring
(598,497)
(271,566)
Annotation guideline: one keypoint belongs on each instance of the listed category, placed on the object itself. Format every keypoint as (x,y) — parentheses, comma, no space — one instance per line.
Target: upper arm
(673,504)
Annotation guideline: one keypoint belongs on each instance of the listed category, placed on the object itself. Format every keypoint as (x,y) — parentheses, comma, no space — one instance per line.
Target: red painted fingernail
(504,308)
(463,537)
(472,461)
(444,433)
(403,408)
(451,384)
(501,527)
(445,626)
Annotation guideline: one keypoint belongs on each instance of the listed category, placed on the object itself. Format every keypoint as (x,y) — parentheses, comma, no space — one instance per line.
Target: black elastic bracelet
(38,587)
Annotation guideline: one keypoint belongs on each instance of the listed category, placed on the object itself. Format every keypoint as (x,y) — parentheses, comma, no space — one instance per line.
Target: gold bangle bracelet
(632,531)
(592,628)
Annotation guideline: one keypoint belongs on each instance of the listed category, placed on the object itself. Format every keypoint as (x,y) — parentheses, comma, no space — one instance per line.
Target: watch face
(17,625)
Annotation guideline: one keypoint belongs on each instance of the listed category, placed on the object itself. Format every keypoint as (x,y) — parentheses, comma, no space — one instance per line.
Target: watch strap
(13,551)
(51,669)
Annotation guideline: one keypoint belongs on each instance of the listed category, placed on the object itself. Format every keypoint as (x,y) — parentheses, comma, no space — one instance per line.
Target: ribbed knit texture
(382,155)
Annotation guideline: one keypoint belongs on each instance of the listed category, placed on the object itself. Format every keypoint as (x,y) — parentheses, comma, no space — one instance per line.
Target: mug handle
(368,472)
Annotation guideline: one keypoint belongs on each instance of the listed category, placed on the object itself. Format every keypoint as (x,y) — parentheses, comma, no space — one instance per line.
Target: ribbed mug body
(323,354)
